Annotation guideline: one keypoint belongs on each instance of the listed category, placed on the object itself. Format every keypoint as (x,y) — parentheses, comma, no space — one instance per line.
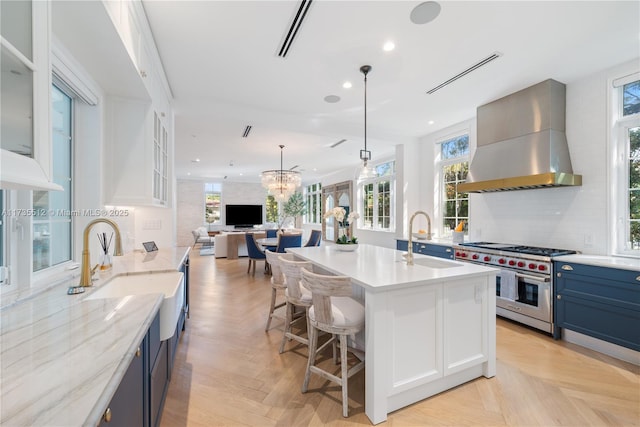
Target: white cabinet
(25,86)
(137,154)
(139,131)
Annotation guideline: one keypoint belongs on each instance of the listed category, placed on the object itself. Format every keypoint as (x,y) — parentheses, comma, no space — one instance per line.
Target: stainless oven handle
(539,279)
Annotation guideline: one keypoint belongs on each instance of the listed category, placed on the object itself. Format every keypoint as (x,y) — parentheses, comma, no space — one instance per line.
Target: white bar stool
(277,282)
(295,296)
(333,311)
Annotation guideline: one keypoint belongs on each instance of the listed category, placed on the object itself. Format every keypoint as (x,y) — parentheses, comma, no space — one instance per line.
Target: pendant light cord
(365,154)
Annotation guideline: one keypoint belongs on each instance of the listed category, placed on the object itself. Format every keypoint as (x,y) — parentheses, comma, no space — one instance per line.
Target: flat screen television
(243,215)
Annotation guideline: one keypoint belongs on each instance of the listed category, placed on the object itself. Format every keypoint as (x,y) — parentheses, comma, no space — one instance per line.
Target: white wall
(189,210)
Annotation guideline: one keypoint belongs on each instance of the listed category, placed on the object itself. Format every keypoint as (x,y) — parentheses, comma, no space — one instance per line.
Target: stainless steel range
(524,285)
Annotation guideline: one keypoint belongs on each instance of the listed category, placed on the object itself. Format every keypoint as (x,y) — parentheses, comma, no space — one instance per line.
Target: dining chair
(314,238)
(295,297)
(254,252)
(271,233)
(289,241)
(335,312)
(277,282)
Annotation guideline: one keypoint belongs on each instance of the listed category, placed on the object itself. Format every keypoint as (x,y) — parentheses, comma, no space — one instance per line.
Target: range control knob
(487,258)
(475,256)
(520,264)
(457,253)
(532,266)
(512,262)
(542,267)
(464,254)
(502,261)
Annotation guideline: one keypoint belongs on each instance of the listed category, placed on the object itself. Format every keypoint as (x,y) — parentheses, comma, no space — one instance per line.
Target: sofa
(201,236)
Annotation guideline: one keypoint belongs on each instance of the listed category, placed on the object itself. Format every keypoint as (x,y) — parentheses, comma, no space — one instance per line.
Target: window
(626,169)
(454,167)
(378,199)
(272,209)
(212,198)
(313,198)
(52,228)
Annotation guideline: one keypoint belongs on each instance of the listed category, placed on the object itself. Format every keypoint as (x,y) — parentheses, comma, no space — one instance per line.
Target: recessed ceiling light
(347,85)
(430,122)
(425,12)
(188,173)
(388,46)
(196,160)
(331,99)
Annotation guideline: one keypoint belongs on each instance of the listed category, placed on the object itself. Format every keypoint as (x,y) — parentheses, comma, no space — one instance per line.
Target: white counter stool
(295,296)
(333,311)
(277,282)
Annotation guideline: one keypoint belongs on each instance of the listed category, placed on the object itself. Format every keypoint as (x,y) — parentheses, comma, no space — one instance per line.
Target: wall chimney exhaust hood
(521,142)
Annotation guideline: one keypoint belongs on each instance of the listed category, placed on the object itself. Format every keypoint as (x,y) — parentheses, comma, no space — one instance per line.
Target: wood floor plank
(228,372)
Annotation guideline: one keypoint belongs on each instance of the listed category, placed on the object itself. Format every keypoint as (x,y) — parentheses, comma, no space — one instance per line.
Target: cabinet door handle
(448,250)
(559,297)
(107,415)
(567,267)
(138,352)
(638,278)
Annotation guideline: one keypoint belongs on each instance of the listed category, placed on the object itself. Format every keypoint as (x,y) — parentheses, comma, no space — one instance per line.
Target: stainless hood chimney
(521,142)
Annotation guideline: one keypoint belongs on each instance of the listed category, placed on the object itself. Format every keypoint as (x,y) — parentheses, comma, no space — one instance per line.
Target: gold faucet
(409,255)
(85,275)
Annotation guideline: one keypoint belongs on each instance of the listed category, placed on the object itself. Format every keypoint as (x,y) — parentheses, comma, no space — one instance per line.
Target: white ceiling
(220,58)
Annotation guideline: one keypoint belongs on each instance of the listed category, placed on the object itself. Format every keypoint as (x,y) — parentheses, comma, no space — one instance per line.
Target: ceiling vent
(485,61)
(246,131)
(295,26)
(335,144)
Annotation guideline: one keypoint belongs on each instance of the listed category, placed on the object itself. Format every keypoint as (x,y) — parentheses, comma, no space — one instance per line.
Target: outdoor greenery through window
(271,205)
(52,209)
(631,109)
(313,198)
(454,163)
(378,199)
(212,203)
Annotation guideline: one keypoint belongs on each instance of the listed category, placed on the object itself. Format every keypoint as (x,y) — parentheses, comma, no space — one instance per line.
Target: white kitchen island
(428,327)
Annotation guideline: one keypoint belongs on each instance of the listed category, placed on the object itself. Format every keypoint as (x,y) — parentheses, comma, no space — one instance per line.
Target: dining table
(270,243)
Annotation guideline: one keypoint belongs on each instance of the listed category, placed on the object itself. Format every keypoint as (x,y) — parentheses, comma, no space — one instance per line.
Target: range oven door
(533,300)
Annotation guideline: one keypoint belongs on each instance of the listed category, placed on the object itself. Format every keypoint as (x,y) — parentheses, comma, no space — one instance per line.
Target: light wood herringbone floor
(228,372)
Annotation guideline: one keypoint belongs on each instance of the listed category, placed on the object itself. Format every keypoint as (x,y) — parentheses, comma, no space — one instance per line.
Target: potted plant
(346,242)
(292,208)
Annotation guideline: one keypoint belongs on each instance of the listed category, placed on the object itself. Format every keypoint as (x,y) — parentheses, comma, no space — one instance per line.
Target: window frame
(376,182)
(216,189)
(441,164)
(619,160)
(310,193)
(59,85)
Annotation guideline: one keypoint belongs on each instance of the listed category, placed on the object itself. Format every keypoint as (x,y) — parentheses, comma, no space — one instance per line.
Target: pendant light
(281,183)
(366,171)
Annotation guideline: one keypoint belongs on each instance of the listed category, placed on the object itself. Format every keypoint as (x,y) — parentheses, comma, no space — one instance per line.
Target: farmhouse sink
(170,284)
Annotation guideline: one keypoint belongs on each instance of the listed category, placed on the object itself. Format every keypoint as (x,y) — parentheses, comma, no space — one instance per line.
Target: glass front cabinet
(25,96)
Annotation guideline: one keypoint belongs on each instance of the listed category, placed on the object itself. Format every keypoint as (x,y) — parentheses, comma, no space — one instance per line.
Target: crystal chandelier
(281,183)
(366,171)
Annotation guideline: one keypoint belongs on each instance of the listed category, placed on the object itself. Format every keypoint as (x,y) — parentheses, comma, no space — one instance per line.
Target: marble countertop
(378,269)
(63,357)
(602,261)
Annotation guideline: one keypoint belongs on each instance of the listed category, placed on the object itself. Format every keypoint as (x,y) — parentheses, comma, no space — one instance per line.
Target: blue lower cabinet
(158,384)
(600,302)
(430,249)
(127,406)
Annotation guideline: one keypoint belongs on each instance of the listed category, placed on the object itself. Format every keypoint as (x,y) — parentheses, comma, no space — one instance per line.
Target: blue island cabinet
(431,249)
(129,404)
(600,302)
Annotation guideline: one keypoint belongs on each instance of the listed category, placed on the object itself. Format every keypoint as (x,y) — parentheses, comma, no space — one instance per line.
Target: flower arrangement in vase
(343,224)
